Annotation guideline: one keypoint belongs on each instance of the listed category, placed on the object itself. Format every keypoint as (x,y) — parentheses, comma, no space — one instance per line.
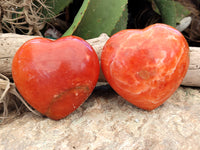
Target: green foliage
(167,10)
(110,16)
(56,6)
(101,16)
(122,23)
(181,12)
(77,18)
(171,11)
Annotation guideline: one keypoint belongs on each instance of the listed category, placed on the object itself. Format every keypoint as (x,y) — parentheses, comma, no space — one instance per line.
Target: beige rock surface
(107,122)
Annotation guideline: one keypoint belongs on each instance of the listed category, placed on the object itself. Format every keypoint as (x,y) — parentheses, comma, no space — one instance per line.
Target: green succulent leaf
(174,12)
(167,10)
(56,6)
(77,18)
(101,16)
(181,11)
(122,23)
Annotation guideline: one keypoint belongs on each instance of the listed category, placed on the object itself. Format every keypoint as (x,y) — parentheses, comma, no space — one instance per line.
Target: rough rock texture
(107,122)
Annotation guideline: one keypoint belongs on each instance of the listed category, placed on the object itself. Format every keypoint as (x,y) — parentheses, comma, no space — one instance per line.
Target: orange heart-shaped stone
(55,77)
(146,66)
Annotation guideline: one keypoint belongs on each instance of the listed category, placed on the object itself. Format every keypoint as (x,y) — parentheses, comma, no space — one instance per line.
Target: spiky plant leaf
(56,6)
(167,10)
(122,23)
(100,16)
(77,18)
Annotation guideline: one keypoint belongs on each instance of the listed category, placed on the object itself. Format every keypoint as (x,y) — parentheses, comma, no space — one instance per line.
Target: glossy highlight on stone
(146,66)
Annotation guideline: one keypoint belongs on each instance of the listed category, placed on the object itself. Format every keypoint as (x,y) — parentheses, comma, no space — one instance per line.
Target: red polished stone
(55,77)
(146,66)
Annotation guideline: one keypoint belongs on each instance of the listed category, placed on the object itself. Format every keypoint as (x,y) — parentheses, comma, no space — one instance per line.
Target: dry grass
(25,16)
(10,100)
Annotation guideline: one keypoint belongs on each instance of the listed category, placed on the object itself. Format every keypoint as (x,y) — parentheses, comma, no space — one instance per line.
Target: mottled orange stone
(55,77)
(146,66)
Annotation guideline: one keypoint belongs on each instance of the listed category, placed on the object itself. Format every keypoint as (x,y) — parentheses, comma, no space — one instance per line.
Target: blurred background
(89,18)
